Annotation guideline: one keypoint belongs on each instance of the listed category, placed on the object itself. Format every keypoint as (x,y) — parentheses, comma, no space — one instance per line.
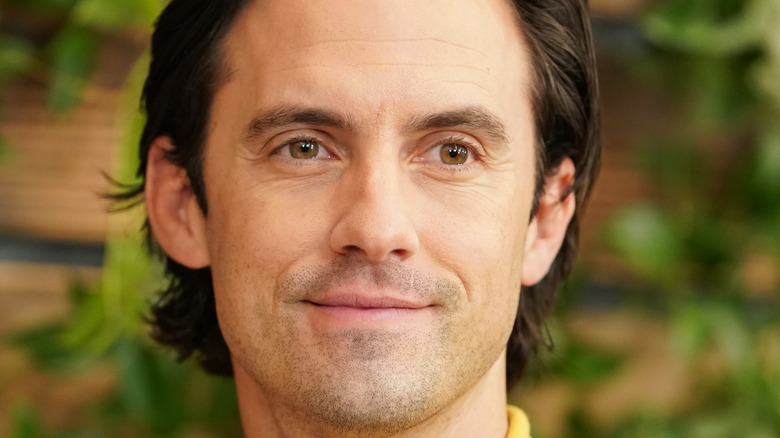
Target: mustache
(306,284)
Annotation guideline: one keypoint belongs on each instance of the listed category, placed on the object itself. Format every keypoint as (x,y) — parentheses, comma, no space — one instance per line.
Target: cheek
(482,245)
(260,237)
(254,238)
(255,216)
(481,240)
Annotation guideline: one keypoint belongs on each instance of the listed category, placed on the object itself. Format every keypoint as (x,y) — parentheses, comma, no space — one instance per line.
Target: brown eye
(453,154)
(304,149)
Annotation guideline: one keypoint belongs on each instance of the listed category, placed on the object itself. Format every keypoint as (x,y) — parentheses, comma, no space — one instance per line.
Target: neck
(480,411)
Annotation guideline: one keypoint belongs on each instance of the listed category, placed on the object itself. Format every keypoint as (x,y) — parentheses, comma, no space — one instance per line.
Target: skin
(369,290)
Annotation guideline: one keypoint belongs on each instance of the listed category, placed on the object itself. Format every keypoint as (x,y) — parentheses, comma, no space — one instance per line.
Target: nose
(373,219)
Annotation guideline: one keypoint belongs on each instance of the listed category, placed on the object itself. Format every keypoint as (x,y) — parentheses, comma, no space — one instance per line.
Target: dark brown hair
(186,71)
(565,100)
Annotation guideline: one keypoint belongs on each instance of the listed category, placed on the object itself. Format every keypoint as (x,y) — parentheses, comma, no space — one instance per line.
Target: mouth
(357,308)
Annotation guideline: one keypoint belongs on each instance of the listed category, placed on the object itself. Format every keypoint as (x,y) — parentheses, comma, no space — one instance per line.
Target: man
(366,207)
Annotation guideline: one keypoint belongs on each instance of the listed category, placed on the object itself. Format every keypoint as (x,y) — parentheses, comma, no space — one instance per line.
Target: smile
(368,314)
(362,309)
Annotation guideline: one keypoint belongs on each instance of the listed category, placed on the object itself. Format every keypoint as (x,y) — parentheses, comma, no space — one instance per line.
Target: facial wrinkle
(386,41)
(343,65)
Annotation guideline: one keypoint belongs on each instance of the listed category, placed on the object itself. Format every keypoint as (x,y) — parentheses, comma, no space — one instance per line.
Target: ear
(176,219)
(548,227)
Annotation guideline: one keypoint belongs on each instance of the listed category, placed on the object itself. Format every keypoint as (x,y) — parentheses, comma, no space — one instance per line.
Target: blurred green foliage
(705,252)
(15,56)
(66,59)
(153,396)
(708,249)
(72,54)
(692,251)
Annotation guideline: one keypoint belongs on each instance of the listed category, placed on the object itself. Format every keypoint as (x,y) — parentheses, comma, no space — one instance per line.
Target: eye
(456,153)
(453,154)
(303,149)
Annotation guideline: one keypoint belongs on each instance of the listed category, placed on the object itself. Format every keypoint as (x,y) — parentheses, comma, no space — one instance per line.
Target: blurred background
(669,327)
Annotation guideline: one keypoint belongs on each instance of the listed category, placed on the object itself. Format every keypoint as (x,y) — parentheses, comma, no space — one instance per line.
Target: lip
(361,308)
(358,301)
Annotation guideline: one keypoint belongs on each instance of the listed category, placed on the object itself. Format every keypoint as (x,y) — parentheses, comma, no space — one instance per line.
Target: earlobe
(174,215)
(548,227)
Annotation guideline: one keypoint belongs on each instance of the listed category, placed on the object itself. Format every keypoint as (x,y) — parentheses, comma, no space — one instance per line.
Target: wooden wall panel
(50,186)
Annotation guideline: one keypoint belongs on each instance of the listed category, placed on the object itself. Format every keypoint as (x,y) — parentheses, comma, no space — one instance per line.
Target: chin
(381,403)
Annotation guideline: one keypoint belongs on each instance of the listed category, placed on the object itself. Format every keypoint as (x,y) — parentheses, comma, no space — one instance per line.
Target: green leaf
(734,338)
(690,330)
(16,56)
(711,244)
(220,412)
(79,341)
(760,179)
(722,91)
(130,275)
(763,77)
(715,27)
(73,52)
(5,152)
(674,165)
(91,329)
(580,424)
(587,365)
(26,422)
(647,240)
(116,14)
(773,405)
(152,387)
(222,408)
(47,348)
(645,424)
(133,122)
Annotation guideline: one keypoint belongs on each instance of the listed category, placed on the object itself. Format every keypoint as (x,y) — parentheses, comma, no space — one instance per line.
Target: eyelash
(473,150)
(298,138)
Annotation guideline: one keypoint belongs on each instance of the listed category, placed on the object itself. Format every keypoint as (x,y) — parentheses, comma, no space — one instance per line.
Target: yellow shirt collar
(518,423)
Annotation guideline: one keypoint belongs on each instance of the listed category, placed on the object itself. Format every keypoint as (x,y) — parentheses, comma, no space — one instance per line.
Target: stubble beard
(370,381)
(368,388)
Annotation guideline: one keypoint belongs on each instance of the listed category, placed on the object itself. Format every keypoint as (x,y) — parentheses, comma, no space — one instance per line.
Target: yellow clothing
(518,423)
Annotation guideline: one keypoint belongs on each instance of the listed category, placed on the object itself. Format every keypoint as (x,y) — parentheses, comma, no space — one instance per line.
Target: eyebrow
(476,118)
(290,115)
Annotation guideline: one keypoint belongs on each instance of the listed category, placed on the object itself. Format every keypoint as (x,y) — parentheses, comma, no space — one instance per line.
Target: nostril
(376,235)
(352,248)
(401,253)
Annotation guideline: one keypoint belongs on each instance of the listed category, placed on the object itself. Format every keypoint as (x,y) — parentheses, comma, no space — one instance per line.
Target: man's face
(369,171)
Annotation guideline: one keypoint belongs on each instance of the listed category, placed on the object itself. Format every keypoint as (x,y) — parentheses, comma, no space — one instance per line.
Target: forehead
(390,51)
